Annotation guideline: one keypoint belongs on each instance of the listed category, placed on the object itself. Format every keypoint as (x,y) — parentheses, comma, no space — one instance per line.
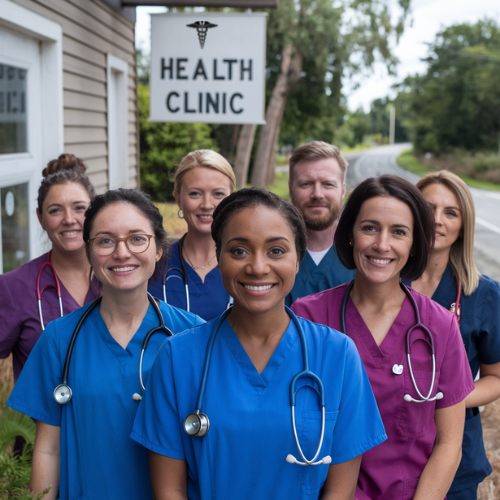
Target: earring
(179,213)
(350,243)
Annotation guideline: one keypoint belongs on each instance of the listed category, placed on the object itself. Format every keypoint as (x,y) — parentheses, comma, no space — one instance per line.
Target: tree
(312,45)
(163,145)
(456,104)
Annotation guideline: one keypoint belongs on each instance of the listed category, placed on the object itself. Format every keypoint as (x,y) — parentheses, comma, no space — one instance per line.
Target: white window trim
(118,160)
(50,34)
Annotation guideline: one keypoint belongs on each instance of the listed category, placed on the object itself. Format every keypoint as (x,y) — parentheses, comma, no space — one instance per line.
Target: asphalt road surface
(382,160)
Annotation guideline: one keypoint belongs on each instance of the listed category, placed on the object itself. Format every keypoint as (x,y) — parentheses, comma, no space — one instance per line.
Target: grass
(174,226)
(408,161)
(280,185)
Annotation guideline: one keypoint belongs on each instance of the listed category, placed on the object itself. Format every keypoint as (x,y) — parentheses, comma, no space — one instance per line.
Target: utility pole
(392,124)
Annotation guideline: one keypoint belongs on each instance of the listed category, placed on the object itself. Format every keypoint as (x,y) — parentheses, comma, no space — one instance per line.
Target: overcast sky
(427,18)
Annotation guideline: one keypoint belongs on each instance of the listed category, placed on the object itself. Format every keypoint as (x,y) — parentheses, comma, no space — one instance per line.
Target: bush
(486,163)
(15,471)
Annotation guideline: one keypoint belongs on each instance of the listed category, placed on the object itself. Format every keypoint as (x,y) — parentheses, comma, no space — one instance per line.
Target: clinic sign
(208,67)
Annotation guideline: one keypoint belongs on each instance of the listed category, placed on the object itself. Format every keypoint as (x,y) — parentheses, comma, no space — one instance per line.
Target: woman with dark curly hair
(256,349)
(82,445)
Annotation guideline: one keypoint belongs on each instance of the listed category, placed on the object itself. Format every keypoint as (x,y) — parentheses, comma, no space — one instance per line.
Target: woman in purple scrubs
(63,197)
(451,267)
(385,232)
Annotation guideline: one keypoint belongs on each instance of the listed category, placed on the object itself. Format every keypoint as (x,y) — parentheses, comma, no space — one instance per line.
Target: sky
(427,18)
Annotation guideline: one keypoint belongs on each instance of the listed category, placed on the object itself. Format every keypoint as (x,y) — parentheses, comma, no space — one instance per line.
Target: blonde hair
(462,251)
(315,151)
(203,158)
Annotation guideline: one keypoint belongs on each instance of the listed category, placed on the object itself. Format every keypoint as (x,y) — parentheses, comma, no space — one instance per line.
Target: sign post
(208,67)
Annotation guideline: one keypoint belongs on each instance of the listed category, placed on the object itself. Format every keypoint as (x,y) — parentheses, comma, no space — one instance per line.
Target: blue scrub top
(207,299)
(313,279)
(480,331)
(243,455)
(98,458)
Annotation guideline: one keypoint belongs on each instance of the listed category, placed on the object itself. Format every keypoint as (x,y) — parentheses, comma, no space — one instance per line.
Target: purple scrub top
(19,316)
(392,469)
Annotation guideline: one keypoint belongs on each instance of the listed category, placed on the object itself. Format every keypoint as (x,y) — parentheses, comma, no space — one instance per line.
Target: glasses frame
(117,240)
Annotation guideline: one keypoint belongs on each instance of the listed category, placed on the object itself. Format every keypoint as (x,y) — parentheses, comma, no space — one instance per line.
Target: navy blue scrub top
(479,327)
(207,299)
(313,279)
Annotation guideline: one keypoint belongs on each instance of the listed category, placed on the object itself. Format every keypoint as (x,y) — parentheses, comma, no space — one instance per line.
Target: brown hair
(462,251)
(317,150)
(394,187)
(67,168)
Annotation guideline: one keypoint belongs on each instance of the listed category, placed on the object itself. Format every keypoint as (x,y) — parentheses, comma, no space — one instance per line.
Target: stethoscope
(183,273)
(63,393)
(197,424)
(398,369)
(56,287)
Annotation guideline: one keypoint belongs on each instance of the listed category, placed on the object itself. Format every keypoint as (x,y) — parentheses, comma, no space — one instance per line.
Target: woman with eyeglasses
(82,448)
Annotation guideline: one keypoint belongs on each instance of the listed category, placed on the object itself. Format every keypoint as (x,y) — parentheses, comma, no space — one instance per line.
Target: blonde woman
(452,280)
(192,280)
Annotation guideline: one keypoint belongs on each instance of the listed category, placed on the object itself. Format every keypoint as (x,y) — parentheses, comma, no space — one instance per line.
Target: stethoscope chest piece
(62,394)
(197,424)
(397,369)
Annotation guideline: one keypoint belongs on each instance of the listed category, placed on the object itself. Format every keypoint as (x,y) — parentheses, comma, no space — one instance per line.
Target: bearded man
(317,188)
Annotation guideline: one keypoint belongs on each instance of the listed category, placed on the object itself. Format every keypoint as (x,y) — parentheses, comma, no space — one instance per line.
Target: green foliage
(408,161)
(456,104)
(15,471)
(485,163)
(163,145)
(336,41)
(280,185)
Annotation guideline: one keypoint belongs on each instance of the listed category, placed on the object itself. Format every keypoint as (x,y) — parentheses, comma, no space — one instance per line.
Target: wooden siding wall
(91,30)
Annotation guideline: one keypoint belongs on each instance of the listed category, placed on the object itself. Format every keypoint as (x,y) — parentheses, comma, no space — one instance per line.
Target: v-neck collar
(446,292)
(134,345)
(325,262)
(260,381)
(192,275)
(397,329)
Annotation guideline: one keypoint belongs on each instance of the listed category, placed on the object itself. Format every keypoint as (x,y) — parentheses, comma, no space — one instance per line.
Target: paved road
(382,160)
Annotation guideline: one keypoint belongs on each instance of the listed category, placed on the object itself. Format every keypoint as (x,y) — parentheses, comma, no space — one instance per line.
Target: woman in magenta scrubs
(63,197)
(385,232)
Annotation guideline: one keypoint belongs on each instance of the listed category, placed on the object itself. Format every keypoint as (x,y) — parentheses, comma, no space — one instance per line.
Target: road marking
(487,225)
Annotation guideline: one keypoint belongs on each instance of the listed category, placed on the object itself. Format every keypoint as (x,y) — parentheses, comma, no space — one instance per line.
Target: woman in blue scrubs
(82,448)
(247,453)
(451,266)
(202,180)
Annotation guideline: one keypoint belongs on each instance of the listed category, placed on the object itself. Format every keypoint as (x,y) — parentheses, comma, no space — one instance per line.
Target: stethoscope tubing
(56,286)
(408,344)
(199,424)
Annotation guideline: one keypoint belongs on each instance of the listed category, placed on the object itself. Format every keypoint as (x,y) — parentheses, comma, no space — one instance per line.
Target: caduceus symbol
(202,28)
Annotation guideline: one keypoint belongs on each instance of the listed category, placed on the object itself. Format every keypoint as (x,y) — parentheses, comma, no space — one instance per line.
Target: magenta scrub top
(19,316)
(392,469)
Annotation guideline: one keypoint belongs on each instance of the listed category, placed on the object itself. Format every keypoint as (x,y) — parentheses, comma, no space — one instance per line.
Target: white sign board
(208,67)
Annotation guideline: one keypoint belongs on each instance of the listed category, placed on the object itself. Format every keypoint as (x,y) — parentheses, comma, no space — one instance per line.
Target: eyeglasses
(136,243)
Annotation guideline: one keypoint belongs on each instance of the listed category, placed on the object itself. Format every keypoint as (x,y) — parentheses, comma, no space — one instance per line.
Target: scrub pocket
(415,418)
(410,485)
(309,431)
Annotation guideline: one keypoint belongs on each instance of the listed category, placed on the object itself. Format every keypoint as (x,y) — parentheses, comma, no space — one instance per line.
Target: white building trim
(118,161)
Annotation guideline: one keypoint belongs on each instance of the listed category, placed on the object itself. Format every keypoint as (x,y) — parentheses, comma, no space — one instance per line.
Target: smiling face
(317,189)
(63,214)
(258,259)
(447,215)
(382,239)
(123,270)
(201,191)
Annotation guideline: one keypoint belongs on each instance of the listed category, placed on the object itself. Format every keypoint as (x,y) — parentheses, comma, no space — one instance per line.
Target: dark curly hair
(251,197)
(67,168)
(423,221)
(142,202)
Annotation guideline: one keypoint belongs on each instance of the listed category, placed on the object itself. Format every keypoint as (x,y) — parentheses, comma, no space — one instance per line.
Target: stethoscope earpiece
(136,397)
